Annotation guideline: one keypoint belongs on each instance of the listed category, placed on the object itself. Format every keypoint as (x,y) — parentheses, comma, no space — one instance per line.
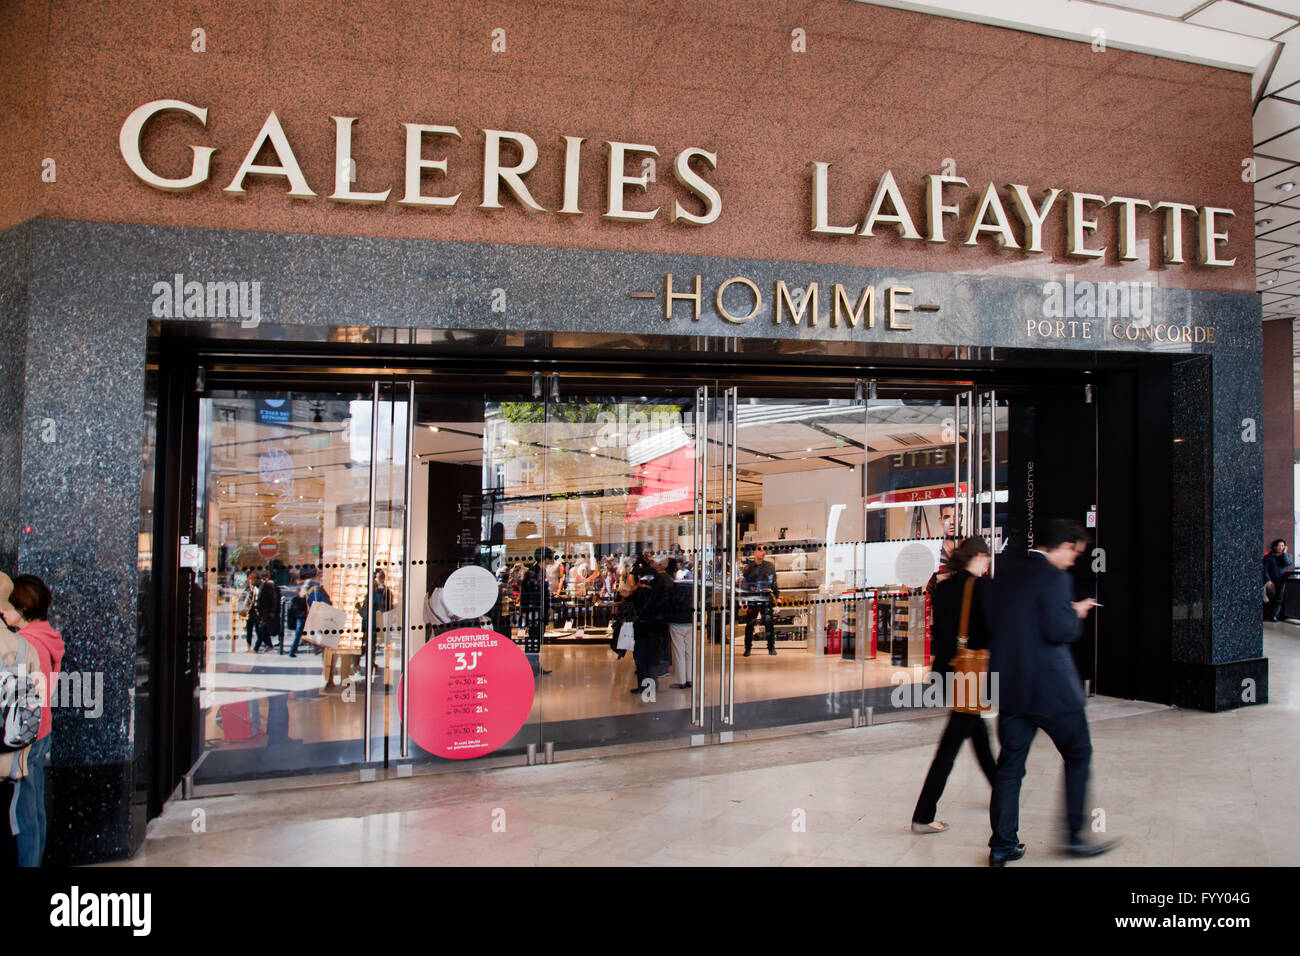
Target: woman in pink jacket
(27,613)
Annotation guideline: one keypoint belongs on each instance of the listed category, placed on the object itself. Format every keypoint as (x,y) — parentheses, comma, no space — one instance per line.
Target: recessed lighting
(433,428)
(1287,259)
(1286,187)
(1263,222)
(1268,282)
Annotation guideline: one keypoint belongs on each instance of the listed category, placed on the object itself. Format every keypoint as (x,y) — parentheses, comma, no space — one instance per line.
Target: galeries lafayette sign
(1010,216)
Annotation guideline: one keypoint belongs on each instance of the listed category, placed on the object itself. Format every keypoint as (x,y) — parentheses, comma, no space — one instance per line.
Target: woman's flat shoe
(938,826)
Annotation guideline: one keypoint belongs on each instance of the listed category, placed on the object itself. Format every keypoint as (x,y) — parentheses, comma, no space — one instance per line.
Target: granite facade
(92,295)
(1279,432)
(15,264)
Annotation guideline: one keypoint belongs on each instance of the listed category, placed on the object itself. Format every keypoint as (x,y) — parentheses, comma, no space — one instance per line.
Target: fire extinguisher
(834,638)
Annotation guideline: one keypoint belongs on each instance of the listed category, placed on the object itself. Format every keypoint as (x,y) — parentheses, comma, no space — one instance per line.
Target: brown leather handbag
(969,667)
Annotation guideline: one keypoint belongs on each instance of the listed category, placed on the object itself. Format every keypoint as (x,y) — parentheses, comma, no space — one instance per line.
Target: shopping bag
(970,667)
(236,722)
(626,636)
(323,625)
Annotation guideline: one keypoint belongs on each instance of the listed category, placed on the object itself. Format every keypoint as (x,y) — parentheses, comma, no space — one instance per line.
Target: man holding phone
(1033,622)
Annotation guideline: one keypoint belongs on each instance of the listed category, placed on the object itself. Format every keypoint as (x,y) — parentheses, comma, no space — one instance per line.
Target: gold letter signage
(1011,219)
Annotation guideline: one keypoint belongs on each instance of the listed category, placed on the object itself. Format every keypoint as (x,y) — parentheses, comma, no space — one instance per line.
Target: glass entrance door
(620,540)
(837,512)
(300,500)
(791,560)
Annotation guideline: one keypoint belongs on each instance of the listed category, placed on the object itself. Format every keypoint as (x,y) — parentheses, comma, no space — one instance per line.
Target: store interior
(301,486)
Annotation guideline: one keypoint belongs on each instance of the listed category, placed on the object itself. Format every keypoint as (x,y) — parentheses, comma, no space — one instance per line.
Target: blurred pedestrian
(1033,622)
(959,606)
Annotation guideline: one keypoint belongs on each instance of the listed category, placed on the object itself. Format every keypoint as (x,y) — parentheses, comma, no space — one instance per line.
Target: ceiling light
(1268,282)
(433,428)
(1286,187)
(1263,222)
(1287,259)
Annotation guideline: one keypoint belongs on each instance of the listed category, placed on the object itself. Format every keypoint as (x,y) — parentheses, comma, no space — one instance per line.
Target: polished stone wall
(15,258)
(92,295)
(1279,432)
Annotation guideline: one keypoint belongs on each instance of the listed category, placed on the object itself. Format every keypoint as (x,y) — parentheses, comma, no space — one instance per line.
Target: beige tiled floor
(1182,788)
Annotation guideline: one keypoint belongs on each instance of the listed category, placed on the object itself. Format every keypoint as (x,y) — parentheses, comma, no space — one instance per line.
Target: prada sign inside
(888,207)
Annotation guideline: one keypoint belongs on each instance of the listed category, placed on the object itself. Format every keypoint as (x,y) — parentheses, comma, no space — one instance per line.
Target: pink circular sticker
(471,690)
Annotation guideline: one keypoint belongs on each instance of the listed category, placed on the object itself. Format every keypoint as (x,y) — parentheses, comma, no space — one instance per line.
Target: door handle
(406,566)
(368,612)
(729,480)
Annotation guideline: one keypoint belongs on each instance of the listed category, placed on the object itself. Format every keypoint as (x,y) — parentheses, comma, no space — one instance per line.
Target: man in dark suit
(1033,622)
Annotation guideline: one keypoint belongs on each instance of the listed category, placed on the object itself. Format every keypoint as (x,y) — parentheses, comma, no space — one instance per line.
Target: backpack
(20,704)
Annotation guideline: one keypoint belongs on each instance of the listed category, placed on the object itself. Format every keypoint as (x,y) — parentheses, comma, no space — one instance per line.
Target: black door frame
(184,362)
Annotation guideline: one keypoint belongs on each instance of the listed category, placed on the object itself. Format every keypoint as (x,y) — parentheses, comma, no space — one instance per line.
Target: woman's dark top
(647,600)
(679,602)
(945,604)
(1276,565)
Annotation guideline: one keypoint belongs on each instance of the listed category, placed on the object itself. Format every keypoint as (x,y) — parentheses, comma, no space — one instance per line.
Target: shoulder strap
(963,630)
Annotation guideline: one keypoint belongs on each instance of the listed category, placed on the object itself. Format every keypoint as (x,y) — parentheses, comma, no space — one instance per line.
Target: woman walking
(959,604)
